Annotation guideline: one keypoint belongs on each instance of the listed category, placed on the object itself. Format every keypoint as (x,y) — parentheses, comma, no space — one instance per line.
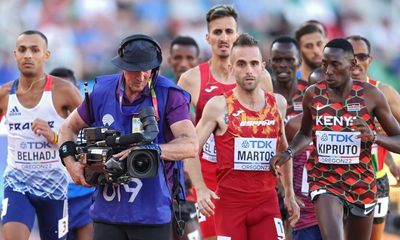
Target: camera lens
(141,162)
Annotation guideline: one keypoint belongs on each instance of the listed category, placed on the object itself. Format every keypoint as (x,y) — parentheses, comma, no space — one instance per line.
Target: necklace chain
(22,91)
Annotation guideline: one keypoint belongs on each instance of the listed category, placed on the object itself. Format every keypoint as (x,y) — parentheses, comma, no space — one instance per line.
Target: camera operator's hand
(124,154)
(76,170)
(204,200)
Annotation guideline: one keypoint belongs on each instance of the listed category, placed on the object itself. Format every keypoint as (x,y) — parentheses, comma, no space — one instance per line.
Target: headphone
(137,37)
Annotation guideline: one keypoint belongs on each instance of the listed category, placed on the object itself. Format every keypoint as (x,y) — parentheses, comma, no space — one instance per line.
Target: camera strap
(175,195)
(153,93)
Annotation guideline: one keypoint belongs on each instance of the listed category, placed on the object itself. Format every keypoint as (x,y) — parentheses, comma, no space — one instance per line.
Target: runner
(307,227)
(210,79)
(80,225)
(184,54)
(362,52)
(35,105)
(338,116)
(250,120)
(285,60)
(311,40)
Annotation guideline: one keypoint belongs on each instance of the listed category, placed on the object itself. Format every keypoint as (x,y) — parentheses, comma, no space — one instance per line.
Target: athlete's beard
(312,65)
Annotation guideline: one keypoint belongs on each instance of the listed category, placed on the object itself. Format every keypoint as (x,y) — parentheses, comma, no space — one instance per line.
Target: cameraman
(140,209)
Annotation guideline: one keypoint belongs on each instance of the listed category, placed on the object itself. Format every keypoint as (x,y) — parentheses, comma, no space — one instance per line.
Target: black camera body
(102,143)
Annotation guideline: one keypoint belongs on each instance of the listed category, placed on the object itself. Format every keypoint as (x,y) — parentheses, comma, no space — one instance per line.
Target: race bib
(305,187)
(381,207)
(254,154)
(209,150)
(338,147)
(35,155)
(304,184)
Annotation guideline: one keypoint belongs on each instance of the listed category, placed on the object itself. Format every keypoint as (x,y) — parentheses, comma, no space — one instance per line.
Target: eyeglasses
(361,56)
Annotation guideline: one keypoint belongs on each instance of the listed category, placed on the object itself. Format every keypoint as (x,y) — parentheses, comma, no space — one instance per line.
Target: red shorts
(209,171)
(243,216)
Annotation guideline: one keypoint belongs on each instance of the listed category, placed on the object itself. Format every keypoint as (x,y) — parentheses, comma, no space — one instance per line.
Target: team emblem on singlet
(353,107)
(254,154)
(298,106)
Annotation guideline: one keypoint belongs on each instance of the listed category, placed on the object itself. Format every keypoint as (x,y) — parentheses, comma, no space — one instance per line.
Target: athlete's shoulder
(218,100)
(190,76)
(279,98)
(4,93)
(215,107)
(5,88)
(387,89)
(266,81)
(63,86)
(281,102)
(311,88)
(366,86)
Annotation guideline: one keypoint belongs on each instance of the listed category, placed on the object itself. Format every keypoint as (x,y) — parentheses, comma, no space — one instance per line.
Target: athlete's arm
(393,98)
(302,137)
(213,112)
(266,82)
(286,169)
(378,105)
(282,106)
(190,81)
(292,126)
(4,93)
(66,98)
(68,132)
(394,169)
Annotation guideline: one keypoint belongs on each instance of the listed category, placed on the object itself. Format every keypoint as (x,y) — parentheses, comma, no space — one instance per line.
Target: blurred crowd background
(84,34)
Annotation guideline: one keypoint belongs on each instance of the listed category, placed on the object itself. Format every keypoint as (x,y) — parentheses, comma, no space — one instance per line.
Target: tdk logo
(257,144)
(337,138)
(245,144)
(14,112)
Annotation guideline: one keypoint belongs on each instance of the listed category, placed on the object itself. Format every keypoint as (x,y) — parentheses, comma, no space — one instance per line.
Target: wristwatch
(290,151)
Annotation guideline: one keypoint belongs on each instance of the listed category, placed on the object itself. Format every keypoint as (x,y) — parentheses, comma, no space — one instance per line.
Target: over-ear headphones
(137,37)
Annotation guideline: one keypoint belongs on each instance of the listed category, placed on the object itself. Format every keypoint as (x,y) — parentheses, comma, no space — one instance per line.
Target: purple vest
(142,201)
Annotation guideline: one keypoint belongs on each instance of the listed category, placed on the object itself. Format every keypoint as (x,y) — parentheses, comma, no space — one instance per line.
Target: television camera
(102,143)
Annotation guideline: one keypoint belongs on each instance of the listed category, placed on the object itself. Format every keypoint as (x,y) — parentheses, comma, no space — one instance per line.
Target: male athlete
(338,115)
(35,181)
(210,79)
(362,53)
(311,40)
(184,55)
(285,60)
(248,126)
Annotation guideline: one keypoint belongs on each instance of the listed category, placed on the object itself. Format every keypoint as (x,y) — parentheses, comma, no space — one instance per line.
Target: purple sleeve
(177,108)
(82,111)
